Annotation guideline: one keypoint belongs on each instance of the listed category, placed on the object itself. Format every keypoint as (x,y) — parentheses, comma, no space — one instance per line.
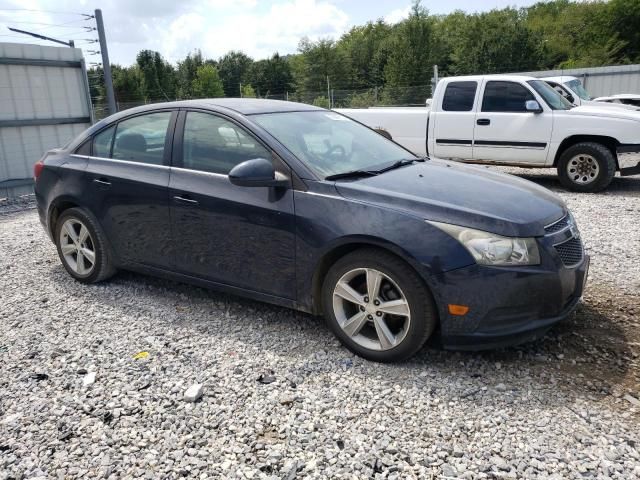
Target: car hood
(607,110)
(459,194)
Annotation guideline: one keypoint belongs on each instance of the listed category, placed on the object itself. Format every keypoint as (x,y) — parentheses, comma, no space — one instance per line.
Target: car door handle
(181,199)
(102,181)
(483,121)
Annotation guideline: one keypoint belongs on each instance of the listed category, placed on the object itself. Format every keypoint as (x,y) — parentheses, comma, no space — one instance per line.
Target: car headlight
(491,249)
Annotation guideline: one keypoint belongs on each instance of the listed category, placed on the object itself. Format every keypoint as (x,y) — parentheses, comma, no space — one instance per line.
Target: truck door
(454,121)
(505,131)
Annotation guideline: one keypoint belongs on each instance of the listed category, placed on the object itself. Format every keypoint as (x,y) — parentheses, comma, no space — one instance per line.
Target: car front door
(128,179)
(505,131)
(455,121)
(238,236)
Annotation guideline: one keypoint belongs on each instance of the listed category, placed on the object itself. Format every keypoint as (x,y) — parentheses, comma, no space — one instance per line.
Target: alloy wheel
(583,169)
(77,246)
(371,309)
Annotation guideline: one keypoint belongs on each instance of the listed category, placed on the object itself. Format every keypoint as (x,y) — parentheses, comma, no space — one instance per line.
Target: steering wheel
(337,149)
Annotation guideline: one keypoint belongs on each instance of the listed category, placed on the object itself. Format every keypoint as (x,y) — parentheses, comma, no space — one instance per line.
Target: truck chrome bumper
(629,159)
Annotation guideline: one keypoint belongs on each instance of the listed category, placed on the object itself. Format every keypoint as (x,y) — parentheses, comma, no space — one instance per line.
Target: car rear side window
(102,143)
(459,96)
(141,139)
(213,144)
(505,97)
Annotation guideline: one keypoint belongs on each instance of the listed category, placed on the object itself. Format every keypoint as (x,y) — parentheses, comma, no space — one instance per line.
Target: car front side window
(213,144)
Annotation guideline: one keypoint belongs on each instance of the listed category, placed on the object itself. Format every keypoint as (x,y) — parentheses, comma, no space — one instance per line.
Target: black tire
(103,265)
(603,157)
(423,314)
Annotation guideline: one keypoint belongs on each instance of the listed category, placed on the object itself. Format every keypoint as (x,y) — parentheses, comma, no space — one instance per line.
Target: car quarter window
(213,144)
(501,96)
(459,96)
(141,138)
(102,143)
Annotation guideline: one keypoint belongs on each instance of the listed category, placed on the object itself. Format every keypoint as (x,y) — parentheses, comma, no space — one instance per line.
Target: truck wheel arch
(609,142)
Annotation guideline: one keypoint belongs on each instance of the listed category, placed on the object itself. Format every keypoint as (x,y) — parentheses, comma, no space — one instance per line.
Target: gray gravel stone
(562,413)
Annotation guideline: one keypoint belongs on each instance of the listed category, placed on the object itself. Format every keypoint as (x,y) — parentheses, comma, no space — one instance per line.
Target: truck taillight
(37,169)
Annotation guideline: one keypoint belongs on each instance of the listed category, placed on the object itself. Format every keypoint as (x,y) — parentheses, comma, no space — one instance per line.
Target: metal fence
(44,103)
(415,95)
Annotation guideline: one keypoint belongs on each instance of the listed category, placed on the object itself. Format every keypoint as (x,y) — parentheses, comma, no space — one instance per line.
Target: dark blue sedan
(302,207)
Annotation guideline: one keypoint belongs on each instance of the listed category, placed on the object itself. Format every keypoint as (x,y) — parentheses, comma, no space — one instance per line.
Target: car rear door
(454,121)
(505,131)
(238,236)
(128,178)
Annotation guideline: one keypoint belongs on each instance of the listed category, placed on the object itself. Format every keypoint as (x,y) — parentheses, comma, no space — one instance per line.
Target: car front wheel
(82,246)
(378,306)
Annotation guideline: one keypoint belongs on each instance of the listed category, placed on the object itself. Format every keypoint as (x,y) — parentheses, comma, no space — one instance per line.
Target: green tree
(158,76)
(233,68)
(186,73)
(248,91)
(321,101)
(207,83)
(271,76)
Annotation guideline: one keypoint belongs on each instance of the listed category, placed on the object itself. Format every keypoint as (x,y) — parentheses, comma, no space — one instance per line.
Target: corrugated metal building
(601,81)
(44,103)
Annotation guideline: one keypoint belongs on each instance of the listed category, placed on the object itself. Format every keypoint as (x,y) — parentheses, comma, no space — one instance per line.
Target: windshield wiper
(352,174)
(400,163)
(371,173)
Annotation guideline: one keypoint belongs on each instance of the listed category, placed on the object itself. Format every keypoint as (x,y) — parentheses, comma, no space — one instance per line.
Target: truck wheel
(586,167)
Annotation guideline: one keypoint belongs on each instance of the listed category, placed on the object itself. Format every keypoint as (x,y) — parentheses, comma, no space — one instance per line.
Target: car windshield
(577,87)
(550,96)
(330,143)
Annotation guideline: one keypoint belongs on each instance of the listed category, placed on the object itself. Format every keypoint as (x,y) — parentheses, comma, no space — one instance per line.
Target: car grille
(570,252)
(558,225)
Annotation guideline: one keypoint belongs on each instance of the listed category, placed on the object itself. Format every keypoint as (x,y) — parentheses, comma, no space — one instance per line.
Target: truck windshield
(577,87)
(330,143)
(550,96)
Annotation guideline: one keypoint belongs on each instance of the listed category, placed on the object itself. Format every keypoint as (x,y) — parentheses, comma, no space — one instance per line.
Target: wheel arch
(609,142)
(346,246)
(56,208)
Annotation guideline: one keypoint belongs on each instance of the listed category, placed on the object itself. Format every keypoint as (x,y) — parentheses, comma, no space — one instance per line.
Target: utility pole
(328,91)
(240,89)
(106,66)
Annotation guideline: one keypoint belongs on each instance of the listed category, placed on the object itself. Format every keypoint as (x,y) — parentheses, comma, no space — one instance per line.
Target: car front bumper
(629,159)
(507,306)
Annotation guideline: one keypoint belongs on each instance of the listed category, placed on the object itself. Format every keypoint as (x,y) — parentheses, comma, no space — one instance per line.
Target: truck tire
(586,167)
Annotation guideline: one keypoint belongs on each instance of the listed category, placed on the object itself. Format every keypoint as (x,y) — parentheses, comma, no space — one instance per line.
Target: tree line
(379,63)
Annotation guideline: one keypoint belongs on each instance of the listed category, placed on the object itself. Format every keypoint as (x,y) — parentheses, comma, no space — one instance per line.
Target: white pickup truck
(518,121)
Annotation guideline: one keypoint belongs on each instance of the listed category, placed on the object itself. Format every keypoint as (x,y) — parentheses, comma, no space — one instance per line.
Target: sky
(176,27)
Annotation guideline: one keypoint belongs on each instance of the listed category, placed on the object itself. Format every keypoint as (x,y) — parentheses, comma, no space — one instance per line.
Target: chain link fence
(415,95)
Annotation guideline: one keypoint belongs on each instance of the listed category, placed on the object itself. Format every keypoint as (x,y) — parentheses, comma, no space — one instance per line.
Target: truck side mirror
(532,106)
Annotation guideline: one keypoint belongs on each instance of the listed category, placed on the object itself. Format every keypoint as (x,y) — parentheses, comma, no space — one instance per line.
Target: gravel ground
(93,378)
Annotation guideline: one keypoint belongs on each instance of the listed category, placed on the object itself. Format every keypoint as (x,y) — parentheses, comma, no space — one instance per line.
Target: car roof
(244,106)
(560,79)
(477,78)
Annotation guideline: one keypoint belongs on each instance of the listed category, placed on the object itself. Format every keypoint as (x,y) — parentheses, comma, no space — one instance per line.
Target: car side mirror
(258,172)
(532,106)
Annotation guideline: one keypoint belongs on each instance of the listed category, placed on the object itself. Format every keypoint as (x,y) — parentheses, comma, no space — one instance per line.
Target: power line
(54,12)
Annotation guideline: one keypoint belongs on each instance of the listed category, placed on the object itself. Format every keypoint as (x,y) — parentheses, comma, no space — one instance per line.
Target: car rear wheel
(586,167)
(378,306)
(82,247)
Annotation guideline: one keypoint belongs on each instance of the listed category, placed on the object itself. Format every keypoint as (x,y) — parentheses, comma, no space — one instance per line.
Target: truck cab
(519,121)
